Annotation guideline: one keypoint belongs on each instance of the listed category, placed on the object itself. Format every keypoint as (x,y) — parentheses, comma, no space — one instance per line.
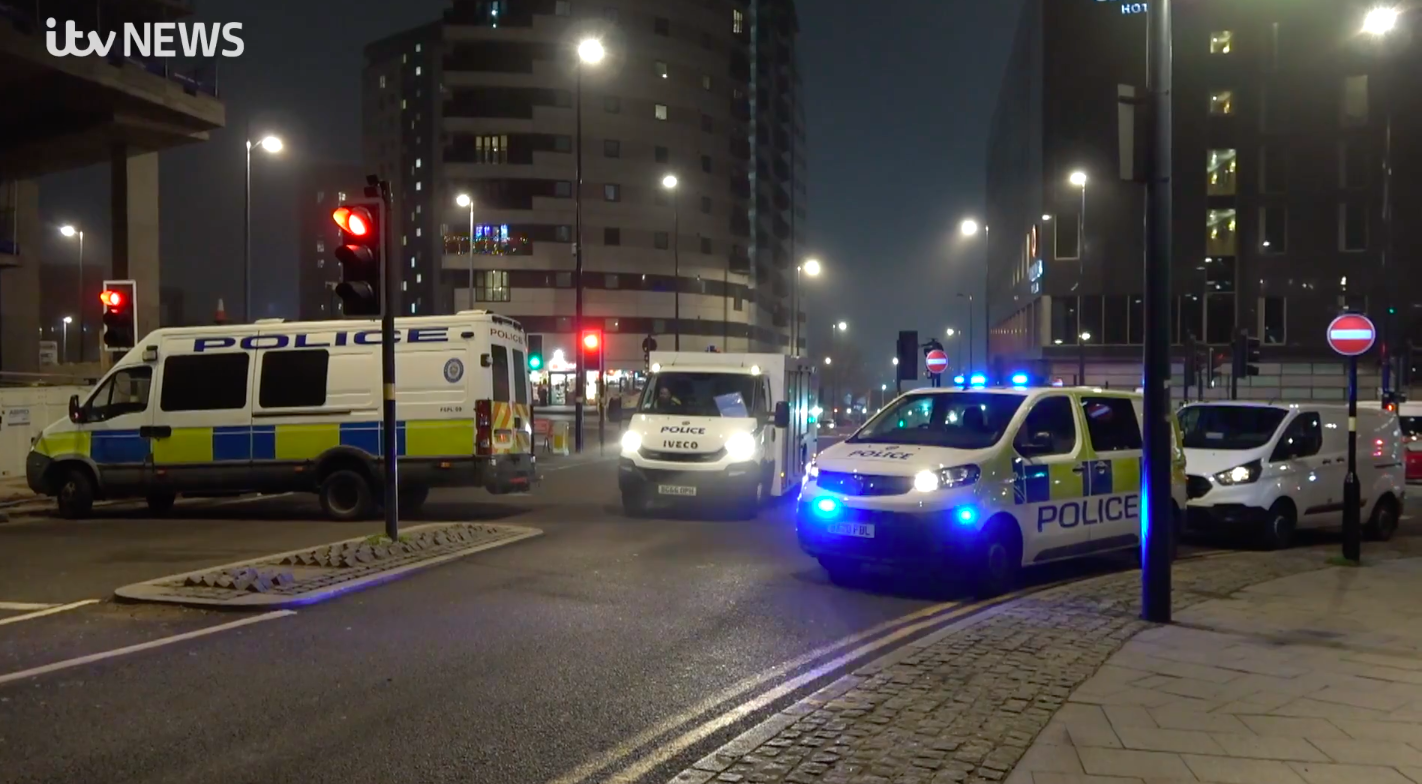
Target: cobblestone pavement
(965,704)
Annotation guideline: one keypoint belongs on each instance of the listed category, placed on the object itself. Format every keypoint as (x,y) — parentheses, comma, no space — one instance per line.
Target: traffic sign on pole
(936,361)
(1351,334)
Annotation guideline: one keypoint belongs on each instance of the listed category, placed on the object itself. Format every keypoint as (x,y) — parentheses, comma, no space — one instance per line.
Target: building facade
(485,103)
(1281,116)
(321,187)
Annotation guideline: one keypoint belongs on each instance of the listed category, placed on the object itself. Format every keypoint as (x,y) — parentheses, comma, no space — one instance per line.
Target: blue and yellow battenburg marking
(1082,492)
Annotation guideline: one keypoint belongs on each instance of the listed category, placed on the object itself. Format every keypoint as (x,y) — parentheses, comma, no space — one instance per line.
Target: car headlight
(631,441)
(1240,475)
(740,447)
(957,476)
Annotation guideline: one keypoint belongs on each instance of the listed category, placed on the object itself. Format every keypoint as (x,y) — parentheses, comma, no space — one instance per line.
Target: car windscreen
(1229,427)
(957,420)
(699,394)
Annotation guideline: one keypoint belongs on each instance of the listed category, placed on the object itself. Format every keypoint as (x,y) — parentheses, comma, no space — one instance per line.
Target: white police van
(982,481)
(718,429)
(276,406)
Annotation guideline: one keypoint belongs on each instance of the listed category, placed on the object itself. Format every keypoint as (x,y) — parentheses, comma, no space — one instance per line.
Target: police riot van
(982,482)
(275,406)
(714,428)
(1266,470)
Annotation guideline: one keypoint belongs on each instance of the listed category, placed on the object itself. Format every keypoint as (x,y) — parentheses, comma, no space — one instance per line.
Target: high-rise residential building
(321,187)
(485,103)
(1281,118)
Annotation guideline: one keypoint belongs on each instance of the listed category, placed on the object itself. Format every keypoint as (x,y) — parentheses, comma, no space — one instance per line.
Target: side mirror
(76,412)
(782,414)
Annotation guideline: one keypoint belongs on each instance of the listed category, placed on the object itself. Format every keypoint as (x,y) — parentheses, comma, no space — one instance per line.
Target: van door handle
(155,431)
(1078,469)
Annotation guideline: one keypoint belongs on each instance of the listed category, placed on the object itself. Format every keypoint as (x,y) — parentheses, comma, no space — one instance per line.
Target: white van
(718,429)
(1409,418)
(1269,469)
(275,407)
(984,481)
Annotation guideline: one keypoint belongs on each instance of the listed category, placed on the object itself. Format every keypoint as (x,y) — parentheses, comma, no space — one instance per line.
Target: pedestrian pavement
(1278,668)
(1309,679)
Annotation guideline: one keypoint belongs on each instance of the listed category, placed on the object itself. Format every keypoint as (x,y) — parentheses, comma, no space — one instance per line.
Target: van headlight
(813,469)
(740,447)
(631,441)
(1240,475)
(957,476)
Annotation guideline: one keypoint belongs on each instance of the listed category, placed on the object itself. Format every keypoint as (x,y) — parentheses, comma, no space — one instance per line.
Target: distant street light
(968,227)
(896,361)
(590,52)
(1381,20)
(842,326)
(465,200)
(70,231)
(827,361)
(812,268)
(951,332)
(1078,178)
(1046,218)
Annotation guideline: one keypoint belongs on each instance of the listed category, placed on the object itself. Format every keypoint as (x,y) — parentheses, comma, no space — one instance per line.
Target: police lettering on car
(1089,511)
(364,337)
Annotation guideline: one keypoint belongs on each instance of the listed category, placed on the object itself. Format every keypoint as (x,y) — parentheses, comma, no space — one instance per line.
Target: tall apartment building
(484,103)
(1281,109)
(320,188)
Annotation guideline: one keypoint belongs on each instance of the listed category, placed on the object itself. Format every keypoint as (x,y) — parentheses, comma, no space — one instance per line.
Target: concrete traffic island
(316,574)
(1279,668)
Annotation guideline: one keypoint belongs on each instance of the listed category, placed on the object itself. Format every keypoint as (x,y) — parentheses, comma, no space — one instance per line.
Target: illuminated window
(738,21)
(382,81)
(491,286)
(705,82)
(1221,42)
(1354,105)
(1222,169)
(1222,102)
(418,70)
(661,111)
(611,192)
(1222,238)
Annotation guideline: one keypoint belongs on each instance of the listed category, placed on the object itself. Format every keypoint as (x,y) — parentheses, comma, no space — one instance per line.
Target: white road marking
(247,499)
(48,610)
(625,749)
(25,606)
(143,646)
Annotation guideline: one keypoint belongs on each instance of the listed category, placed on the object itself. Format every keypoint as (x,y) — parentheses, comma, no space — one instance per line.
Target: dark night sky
(898,104)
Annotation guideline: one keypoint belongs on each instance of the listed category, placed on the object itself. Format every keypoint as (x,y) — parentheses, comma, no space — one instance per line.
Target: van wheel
(997,560)
(1279,527)
(161,503)
(346,496)
(1383,524)
(76,494)
(751,502)
(841,571)
(412,498)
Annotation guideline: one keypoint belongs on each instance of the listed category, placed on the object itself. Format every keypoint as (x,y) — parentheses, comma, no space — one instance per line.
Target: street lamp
(1081,340)
(70,231)
(970,228)
(270,145)
(1078,180)
(1381,20)
(590,52)
(67,320)
(465,200)
(828,361)
(812,268)
(842,326)
(669,182)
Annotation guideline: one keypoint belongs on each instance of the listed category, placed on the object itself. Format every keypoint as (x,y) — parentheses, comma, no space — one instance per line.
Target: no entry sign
(1351,334)
(936,361)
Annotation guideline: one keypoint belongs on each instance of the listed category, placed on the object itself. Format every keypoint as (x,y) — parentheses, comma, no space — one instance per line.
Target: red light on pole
(591,341)
(351,221)
(111,298)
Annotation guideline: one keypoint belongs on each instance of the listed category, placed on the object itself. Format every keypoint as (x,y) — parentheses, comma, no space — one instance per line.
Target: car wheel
(1279,528)
(997,561)
(841,571)
(76,494)
(346,496)
(161,503)
(1383,524)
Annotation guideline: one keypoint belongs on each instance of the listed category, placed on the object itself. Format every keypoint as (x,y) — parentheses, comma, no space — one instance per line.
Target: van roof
(1100,391)
(403,322)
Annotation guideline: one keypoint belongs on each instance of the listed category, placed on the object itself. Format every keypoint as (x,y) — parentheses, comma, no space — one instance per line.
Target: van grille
(683,457)
(1196,486)
(864,484)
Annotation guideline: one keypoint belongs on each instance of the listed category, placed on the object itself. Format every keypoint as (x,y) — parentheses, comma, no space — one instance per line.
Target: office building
(484,103)
(1281,111)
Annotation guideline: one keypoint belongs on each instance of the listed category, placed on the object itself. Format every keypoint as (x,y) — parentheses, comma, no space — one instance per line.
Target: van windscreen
(1229,427)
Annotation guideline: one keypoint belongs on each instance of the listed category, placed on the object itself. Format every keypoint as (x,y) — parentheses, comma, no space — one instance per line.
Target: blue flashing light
(965,515)
(959,380)
(826,506)
(1019,379)
(978,380)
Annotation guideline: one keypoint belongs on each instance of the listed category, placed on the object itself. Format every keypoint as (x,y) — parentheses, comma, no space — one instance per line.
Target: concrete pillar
(134,207)
(20,278)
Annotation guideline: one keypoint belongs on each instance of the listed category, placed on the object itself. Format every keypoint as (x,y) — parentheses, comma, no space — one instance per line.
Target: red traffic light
(352,221)
(111,298)
(591,340)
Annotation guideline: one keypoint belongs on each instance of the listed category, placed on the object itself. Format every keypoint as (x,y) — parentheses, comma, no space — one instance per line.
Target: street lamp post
(669,182)
(70,231)
(465,200)
(269,144)
(951,333)
(969,298)
(811,267)
(65,349)
(590,52)
(837,327)
(970,228)
(1081,358)
(1078,179)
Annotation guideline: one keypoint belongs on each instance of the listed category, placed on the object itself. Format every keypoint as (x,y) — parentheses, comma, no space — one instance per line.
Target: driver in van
(666,401)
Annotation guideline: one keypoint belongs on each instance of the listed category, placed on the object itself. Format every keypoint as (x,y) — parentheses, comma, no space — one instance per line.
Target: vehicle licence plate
(851,529)
(676,490)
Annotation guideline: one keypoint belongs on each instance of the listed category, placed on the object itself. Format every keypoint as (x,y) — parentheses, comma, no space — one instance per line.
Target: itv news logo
(149,39)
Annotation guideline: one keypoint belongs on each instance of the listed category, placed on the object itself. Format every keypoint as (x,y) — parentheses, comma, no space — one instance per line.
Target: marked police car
(982,480)
(275,407)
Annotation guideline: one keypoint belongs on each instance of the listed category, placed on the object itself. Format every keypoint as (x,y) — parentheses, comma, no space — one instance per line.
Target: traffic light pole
(1157,524)
(390,273)
(1352,532)
(579,362)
